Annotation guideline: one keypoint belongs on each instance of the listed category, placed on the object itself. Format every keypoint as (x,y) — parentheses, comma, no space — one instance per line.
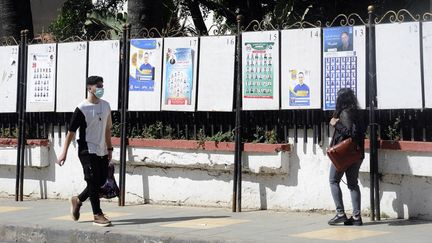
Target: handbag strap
(332,141)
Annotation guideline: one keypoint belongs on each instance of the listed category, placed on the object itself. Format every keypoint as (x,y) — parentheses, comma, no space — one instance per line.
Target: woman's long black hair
(345,100)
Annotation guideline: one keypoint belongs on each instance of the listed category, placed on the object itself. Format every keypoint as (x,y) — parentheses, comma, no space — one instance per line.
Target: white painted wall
(294,181)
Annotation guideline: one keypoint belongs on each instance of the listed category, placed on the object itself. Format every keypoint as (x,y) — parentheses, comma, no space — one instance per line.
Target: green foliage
(9,133)
(115,130)
(222,137)
(71,20)
(392,131)
(81,18)
(107,21)
(154,131)
(263,136)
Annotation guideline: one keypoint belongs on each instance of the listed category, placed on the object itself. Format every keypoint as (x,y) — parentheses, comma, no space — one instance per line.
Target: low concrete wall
(294,180)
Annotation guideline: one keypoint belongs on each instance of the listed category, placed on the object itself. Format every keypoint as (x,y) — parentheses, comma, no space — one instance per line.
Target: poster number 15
(273,37)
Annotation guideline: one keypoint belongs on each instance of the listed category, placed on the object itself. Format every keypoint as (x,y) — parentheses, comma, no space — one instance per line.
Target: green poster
(258,71)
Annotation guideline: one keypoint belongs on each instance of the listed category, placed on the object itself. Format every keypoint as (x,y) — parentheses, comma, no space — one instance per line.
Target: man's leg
(100,170)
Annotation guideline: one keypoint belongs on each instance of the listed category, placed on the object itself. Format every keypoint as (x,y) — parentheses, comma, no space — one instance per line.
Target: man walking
(93,118)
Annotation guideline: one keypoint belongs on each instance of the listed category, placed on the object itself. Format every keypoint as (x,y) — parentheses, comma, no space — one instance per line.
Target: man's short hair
(92,80)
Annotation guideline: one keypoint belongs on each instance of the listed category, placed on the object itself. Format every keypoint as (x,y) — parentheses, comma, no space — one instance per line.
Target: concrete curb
(14,233)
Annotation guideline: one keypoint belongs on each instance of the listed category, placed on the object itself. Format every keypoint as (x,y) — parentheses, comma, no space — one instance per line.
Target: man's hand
(61,159)
(333,121)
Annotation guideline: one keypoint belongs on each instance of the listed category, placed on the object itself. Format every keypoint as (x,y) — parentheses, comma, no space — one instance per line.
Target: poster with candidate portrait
(41,76)
(427,63)
(71,79)
(344,63)
(398,66)
(8,78)
(260,70)
(301,68)
(145,71)
(179,74)
(104,61)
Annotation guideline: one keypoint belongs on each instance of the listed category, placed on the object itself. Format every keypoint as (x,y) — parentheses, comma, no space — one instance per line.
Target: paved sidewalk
(50,221)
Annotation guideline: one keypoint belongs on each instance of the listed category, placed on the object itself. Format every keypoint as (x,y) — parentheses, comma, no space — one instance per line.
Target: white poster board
(180,74)
(41,74)
(398,66)
(71,75)
(301,68)
(344,63)
(8,78)
(260,70)
(216,74)
(145,71)
(104,61)
(427,63)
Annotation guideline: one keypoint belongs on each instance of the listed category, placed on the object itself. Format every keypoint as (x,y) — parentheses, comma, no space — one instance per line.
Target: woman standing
(347,123)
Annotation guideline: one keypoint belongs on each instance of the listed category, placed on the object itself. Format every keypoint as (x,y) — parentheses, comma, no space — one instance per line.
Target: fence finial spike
(371,9)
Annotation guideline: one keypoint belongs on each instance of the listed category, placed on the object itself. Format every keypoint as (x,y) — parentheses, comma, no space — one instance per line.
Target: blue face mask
(99,92)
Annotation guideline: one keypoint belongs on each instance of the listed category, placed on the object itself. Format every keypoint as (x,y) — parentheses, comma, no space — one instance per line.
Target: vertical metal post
(123,114)
(237,177)
(22,138)
(19,109)
(374,178)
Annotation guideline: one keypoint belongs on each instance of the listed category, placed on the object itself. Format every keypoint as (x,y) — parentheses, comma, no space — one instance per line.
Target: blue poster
(178,76)
(299,94)
(340,63)
(338,39)
(142,72)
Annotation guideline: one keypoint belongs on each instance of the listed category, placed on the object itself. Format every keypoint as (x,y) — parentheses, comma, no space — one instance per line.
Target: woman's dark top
(350,124)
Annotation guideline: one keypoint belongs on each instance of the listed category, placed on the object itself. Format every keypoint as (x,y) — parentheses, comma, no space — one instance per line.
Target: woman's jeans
(352,181)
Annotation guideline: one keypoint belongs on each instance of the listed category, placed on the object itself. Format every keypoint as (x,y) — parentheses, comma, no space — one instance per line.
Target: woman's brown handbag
(344,154)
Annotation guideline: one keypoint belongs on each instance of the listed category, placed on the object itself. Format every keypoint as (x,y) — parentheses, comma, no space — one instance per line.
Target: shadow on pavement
(156,220)
(398,222)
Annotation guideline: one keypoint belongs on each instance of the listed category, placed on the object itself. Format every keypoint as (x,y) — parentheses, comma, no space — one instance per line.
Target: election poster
(180,67)
(344,63)
(41,77)
(145,71)
(427,62)
(216,73)
(8,78)
(301,68)
(104,61)
(71,79)
(398,66)
(260,70)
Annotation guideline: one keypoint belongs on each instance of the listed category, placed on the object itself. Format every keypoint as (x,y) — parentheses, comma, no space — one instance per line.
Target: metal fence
(278,126)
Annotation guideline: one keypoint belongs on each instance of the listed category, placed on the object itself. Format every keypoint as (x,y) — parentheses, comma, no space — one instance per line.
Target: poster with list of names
(216,73)
(8,78)
(104,61)
(344,63)
(180,73)
(301,68)
(41,77)
(71,79)
(260,70)
(398,68)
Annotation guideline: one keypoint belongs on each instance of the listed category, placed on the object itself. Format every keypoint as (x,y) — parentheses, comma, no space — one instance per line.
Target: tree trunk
(197,17)
(9,19)
(146,14)
(15,15)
